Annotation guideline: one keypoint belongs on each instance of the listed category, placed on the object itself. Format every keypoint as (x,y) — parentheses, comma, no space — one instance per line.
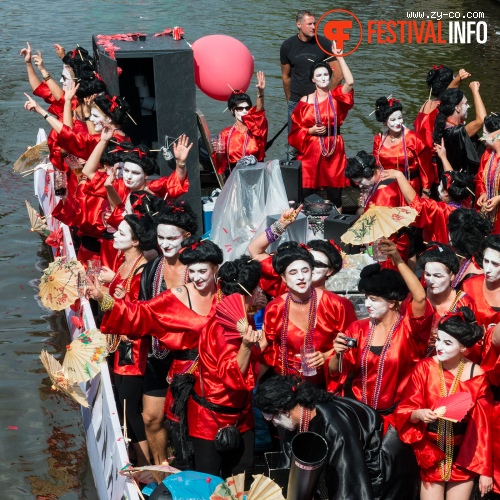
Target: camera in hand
(351,342)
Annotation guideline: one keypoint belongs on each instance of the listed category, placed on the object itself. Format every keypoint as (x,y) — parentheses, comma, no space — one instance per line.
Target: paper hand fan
(84,356)
(37,222)
(32,156)
(60,380)
(264,488)
(454,407)
(231,315)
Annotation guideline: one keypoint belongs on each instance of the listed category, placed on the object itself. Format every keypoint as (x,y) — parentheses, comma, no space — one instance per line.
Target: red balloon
(221,63)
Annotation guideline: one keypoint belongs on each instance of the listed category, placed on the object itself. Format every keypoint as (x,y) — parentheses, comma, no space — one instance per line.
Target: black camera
(351,342)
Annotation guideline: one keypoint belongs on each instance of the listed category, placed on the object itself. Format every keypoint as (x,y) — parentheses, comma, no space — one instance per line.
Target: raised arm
(32,76)
(337,73)
(387,247)
(346,72)
(92,164)
(113,196)
(257,248)
(441,152)
(476,125)
(462,75)
(261,85)
(181,151)
(406,188)
(54,88)
(32,105)
(69,93)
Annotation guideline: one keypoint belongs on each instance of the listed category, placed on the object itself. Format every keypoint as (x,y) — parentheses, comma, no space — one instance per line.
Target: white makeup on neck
(437,278)
(491,265)
(298,277)
(202,275)
(123,238)
(170,239)
(447,347)
(133,176)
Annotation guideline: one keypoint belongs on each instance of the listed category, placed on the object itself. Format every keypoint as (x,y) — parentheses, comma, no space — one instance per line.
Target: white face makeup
(377,307)
(98,118)
(284,421)
(395,122)
(123,239)
(443,195)
(170,239)
(447,347)
(492,136)
(462,109)
(241,110)
(298,277)
(319,274)
(66,76)
(119,170)
(321,78)
(202,275)
(133,176)
(437,278)
(363,182)
(491,265)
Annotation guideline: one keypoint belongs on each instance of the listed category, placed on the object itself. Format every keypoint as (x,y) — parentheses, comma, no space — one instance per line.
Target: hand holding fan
(232,316)
(263,488)
(454,407)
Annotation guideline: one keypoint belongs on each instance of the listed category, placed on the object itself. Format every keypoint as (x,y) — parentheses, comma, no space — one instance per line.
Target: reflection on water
(44,457)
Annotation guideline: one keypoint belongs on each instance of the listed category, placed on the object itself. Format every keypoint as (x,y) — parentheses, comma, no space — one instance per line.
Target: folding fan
(232,316)
(32,156)
(454,407)
(263,488)
(60,380)
(37,222)
(84,356)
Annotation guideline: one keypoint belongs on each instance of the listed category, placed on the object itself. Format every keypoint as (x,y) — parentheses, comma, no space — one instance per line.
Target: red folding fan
(232,316)
(454,407)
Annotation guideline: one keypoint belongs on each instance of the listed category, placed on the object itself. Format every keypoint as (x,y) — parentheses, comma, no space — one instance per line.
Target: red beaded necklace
(380,364)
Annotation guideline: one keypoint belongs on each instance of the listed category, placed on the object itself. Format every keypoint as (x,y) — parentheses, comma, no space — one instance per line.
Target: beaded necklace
(113,341)
(229,142)
(491,180)
(326,150)
(403,141)
(305,418)
(156,350)
(445,427)
(380,364)
(461,273)
(308,338)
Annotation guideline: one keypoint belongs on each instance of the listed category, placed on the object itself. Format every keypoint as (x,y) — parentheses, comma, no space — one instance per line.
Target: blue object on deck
(208,210)
(192,485)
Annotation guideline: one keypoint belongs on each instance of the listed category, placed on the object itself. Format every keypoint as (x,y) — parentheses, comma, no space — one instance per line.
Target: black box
(336,225)
(291,171)
(167,68)
(279,476)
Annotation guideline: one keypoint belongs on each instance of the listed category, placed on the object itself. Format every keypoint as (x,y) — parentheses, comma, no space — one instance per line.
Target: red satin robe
(424,127)
(494,378)
(389,195)
(238,144)
(140,347)
(418,156)
(320,171)
(222,383)
(333,315)
(408,346)
(270,282)
(433,218)
(485,314)
(475,455)
(480,181)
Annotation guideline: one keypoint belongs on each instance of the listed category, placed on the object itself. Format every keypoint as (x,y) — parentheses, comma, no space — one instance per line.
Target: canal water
(41,435)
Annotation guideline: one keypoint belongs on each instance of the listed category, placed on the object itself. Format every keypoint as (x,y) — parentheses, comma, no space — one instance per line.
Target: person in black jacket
(363,462)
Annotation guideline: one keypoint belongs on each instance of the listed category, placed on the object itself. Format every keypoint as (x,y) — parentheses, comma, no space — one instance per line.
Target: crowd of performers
(372,383)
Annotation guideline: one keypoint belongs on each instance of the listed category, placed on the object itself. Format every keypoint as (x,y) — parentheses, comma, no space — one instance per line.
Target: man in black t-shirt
(297,54)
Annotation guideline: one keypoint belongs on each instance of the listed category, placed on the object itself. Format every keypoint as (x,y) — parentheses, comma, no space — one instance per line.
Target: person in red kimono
(467,230)
(440,265)
(400,148)
(450,455)
(454,191)
(304,316)
(176,318)
(485,288)
(315,131)
(228,370)
(439,78)
(248,135)
(488,175)
(134,236)
(380,352)
(494,378)
(363,170)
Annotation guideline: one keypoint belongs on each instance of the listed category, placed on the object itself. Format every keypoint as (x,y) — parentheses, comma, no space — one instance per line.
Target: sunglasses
(320,265)
(242,108)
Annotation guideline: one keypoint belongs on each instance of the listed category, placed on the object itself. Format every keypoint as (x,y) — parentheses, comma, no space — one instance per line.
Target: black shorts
(155,378)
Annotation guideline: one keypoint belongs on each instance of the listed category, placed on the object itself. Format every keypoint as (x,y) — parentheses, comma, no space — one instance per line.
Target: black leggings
(210,461)
(129,387)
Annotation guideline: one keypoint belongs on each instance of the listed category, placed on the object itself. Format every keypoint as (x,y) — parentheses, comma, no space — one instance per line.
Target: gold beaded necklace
(445,427)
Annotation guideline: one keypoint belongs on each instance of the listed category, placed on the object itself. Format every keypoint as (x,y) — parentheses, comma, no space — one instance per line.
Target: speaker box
(336,225)
(162,102)
(291,171)
(296,231)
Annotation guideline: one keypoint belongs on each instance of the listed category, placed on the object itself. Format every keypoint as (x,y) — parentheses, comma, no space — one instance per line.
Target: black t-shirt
(300,56)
